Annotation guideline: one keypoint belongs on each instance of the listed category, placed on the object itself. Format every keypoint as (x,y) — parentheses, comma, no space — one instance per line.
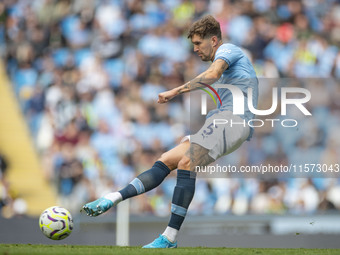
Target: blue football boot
(98,206)
(161,242)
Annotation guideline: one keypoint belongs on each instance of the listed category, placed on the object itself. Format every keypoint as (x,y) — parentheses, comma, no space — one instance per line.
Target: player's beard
(204,58)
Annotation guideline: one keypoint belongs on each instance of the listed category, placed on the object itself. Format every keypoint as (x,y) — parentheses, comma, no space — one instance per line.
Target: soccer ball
(56,223)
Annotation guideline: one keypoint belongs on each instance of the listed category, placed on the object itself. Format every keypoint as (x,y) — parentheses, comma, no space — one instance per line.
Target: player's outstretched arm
(211,75)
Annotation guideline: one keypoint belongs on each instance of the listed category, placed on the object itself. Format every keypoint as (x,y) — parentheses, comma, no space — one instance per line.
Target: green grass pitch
(12,249)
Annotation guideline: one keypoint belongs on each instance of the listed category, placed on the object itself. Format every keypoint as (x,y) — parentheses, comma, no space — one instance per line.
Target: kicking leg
(142,183)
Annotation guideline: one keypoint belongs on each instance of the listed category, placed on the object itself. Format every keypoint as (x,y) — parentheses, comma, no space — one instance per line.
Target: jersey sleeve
(229,54)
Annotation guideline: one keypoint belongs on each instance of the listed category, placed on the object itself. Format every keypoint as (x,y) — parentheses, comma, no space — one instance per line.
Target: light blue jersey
(240,73)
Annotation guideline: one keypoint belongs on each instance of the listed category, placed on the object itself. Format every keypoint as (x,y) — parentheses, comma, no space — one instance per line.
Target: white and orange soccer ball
(56,223)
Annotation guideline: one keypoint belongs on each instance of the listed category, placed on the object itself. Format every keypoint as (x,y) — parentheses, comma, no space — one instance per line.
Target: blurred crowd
(87,74)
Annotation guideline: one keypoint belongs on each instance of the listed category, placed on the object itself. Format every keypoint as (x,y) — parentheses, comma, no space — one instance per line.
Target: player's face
(203,47)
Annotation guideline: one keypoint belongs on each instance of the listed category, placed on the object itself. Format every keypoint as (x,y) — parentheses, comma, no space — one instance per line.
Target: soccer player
(229,66)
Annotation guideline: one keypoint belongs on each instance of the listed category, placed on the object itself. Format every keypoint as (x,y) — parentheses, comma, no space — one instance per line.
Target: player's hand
(166,96)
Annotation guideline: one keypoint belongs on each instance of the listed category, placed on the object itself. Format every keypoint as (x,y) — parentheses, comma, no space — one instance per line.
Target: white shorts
(221,139)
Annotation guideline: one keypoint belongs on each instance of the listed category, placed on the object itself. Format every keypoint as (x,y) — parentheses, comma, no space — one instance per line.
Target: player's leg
(183,194)
(185,187)
(153,177)
(144,182)
(221,141)
(208,144)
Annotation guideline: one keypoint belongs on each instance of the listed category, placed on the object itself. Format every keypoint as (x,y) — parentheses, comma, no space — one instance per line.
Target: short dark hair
(205,27)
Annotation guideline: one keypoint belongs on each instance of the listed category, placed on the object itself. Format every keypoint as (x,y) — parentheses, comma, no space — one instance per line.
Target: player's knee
(168,161)
(184,163)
